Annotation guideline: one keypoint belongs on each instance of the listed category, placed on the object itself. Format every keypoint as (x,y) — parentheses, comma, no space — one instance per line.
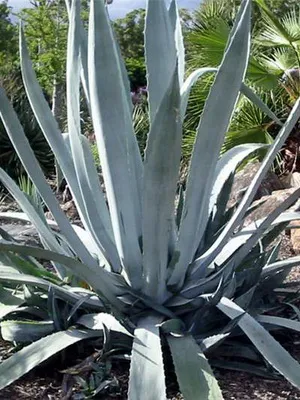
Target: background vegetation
(155,268)
(272,71)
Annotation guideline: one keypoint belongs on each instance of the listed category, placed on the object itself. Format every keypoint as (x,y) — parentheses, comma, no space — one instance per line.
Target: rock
(295,236)
(269,204)
(244,177)
(271,193)
(295,180)
(69,209)
(23,234)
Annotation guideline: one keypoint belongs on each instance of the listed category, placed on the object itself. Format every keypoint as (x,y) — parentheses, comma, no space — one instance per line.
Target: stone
(69,209)
(269,203)
(23,234)
(295,236)
(295,179)
(243,179)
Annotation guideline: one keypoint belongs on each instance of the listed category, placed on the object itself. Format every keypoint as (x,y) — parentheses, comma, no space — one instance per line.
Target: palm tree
(273,71)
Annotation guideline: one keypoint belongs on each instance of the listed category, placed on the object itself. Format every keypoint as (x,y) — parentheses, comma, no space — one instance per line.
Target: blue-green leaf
(270,349)
(160,54)
(118,150)
(194,374)
(210,136)
(34,354)
(161,175)
(147,378)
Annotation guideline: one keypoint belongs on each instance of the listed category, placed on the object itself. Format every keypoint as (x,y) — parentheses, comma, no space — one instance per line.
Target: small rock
(68,208)
(23,234)
(269,204)
(295,180)
(295,236)
(244,177)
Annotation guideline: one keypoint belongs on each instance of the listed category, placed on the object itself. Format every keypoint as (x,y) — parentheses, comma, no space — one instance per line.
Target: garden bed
(46,382)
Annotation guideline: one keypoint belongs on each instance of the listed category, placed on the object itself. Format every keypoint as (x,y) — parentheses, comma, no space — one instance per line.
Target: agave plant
(183,272)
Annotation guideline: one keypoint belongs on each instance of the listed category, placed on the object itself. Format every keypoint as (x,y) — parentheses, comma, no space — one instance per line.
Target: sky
(118,9)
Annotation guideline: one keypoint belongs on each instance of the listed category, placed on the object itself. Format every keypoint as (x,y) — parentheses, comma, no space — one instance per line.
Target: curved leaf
(9,301)
(61,291)
(25,331)
(270,349)
(96,322)
(238,216)
(189,83)
(101,281)
(227,164)
(23,149)
(34,354)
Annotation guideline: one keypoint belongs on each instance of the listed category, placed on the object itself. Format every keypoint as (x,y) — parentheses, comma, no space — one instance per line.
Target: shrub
(9,159)
(193,278)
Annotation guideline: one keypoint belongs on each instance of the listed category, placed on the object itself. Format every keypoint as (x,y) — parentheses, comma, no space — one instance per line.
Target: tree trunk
(57,102)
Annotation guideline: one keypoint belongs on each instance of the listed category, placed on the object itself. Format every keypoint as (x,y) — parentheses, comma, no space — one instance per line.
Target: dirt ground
(234,385)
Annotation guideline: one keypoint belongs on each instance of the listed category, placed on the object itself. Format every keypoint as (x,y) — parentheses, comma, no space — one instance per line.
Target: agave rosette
(189,272)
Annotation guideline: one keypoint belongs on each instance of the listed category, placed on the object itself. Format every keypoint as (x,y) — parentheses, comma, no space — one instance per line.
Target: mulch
(234,385)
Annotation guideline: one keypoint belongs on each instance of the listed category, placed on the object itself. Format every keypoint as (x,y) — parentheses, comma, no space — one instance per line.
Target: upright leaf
(161,174)
(160,54)
(194,374)
(176,26)
(87,177)
(210,137)
(147,377)
(118,149)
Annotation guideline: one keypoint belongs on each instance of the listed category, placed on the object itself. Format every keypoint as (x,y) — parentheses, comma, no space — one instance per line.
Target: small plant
(189,276)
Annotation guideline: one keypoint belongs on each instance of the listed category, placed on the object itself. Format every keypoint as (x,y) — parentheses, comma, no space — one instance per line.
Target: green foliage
(281,7)
(9,159)
(136,72)
(273,54)
(95,154)
(149,269)
(130,35)
(8,41)
(46,28)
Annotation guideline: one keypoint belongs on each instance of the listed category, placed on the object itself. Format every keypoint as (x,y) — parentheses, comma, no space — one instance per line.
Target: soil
(234,385)
(45,383)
